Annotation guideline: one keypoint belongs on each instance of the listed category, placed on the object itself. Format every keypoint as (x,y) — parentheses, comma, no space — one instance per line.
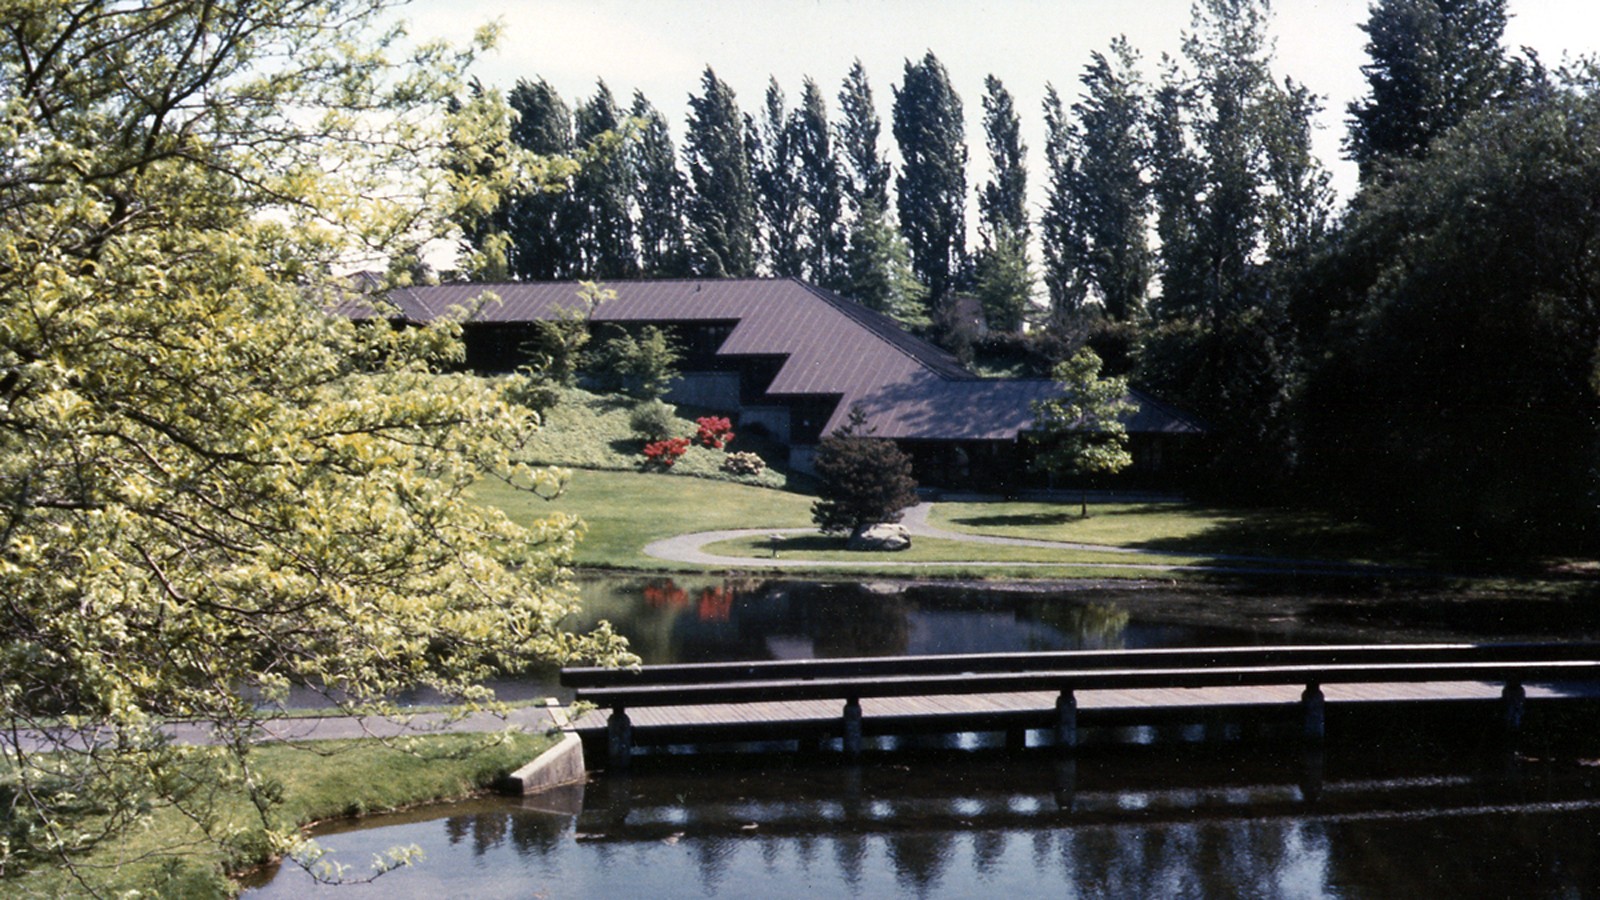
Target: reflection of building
(789,359)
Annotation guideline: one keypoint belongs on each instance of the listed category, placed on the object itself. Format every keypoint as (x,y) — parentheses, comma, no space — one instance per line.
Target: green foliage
(867,172)
(658,196)
(603,189)
(1005,283)
(643,366)
(1458,391)
(1433,63)
(210,488)
(541,224)
(932,185)
(777,181)
(1080,432)
(652,420)
(878,270)
(865,480)
(722,207)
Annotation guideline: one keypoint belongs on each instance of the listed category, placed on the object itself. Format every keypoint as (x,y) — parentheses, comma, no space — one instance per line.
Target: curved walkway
(690,548)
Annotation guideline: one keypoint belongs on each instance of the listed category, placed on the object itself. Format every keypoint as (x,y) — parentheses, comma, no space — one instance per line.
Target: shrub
(652,420)
(715,432)
(743,464)
(664,454)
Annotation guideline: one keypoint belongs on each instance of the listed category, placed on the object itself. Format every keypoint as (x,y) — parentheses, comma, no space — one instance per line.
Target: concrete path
(690,548)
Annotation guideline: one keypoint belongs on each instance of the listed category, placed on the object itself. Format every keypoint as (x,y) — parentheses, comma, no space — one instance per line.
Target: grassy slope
(359,777)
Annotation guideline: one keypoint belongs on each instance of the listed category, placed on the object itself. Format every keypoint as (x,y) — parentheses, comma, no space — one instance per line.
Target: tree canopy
(210,488)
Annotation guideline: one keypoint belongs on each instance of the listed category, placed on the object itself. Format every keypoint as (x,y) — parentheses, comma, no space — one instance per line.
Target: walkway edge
(558,766)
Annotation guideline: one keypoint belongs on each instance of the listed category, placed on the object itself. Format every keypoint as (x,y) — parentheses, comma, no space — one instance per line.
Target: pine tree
(932,185)
(722,206)
(864,480)
(1433,62)
(602,191)
(658,195)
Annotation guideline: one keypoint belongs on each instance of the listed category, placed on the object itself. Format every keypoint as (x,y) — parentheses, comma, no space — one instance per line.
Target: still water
(1148,821)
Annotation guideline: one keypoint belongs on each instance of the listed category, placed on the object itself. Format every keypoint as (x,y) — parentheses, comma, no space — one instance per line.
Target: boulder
(885,536)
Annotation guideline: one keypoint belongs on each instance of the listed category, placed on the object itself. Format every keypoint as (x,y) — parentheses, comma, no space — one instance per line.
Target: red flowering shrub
(665,453)
(715,432)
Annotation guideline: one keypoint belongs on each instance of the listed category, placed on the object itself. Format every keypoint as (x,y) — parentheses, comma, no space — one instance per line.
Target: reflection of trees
(1092,626)
(1248,859)
(850,620)
(919,858)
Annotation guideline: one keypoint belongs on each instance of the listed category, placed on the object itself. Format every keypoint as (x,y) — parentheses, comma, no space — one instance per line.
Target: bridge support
(852,727)
(619,739)
(1314,712)
(1512,699)
(1066,722)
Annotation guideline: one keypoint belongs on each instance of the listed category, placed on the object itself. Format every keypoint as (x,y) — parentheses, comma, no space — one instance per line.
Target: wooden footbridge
(847,701)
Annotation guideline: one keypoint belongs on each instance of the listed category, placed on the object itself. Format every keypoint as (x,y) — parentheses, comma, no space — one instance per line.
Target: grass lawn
(335,779)
(627,510)
(923,550)
(1180,528)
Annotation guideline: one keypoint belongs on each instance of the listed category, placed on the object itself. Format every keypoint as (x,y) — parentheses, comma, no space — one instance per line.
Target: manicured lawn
(923,550)
(332,779)
(1179,528)
(625,511)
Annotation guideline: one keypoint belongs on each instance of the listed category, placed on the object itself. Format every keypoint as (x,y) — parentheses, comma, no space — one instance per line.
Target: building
(789,360)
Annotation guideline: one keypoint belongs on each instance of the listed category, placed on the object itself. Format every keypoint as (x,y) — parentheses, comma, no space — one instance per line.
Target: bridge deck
(684,721)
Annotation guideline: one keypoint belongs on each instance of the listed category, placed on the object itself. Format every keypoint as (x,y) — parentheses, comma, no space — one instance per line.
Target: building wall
(710,390)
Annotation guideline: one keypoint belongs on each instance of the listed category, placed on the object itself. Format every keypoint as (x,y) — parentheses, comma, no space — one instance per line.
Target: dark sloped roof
(909,388)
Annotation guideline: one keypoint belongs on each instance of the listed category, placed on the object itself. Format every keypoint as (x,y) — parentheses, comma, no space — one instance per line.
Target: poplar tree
(658,195)
(1061,236)
(1004,276)
(722,217)
(820,188)
(877,263)
(602,190)
(866,172)
(932,185)
(778,187)
(1433,63)
(543,224)
(1111,203)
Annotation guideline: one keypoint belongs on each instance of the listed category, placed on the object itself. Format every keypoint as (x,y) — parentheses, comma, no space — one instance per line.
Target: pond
(1193,821)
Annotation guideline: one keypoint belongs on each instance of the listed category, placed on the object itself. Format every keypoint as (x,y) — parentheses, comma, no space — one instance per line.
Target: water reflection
(1201,823)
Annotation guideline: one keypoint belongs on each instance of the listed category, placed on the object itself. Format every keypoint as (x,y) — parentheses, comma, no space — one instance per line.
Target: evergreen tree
(722,206)
(1005,282)
(866,171)
(778,187)
(1433,62)
(658,195)
(877,269)
(932,185)
(543,225)
(820,189)
(864,480)
(602,191)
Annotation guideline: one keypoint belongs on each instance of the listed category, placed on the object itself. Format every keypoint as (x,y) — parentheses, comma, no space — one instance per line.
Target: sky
(661,47)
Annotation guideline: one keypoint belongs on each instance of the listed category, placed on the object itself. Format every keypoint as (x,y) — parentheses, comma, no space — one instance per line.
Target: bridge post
(852,727)
(1313,708)
(1512,699)
(1066,721)
(619,739)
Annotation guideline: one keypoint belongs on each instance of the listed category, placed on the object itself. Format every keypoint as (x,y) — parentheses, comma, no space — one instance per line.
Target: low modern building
(789,360)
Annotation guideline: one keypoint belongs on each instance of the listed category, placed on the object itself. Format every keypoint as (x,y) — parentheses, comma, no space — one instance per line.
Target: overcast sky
(661,47)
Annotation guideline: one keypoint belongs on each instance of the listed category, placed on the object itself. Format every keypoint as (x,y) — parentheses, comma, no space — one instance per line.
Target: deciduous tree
(722,206)
(932,185)
(1080,432)
(211,489)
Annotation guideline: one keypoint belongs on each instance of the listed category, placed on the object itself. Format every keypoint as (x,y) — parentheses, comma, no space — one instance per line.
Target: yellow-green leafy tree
(211,489)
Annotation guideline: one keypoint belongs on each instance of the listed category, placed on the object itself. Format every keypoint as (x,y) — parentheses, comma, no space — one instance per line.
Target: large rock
(880,537)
